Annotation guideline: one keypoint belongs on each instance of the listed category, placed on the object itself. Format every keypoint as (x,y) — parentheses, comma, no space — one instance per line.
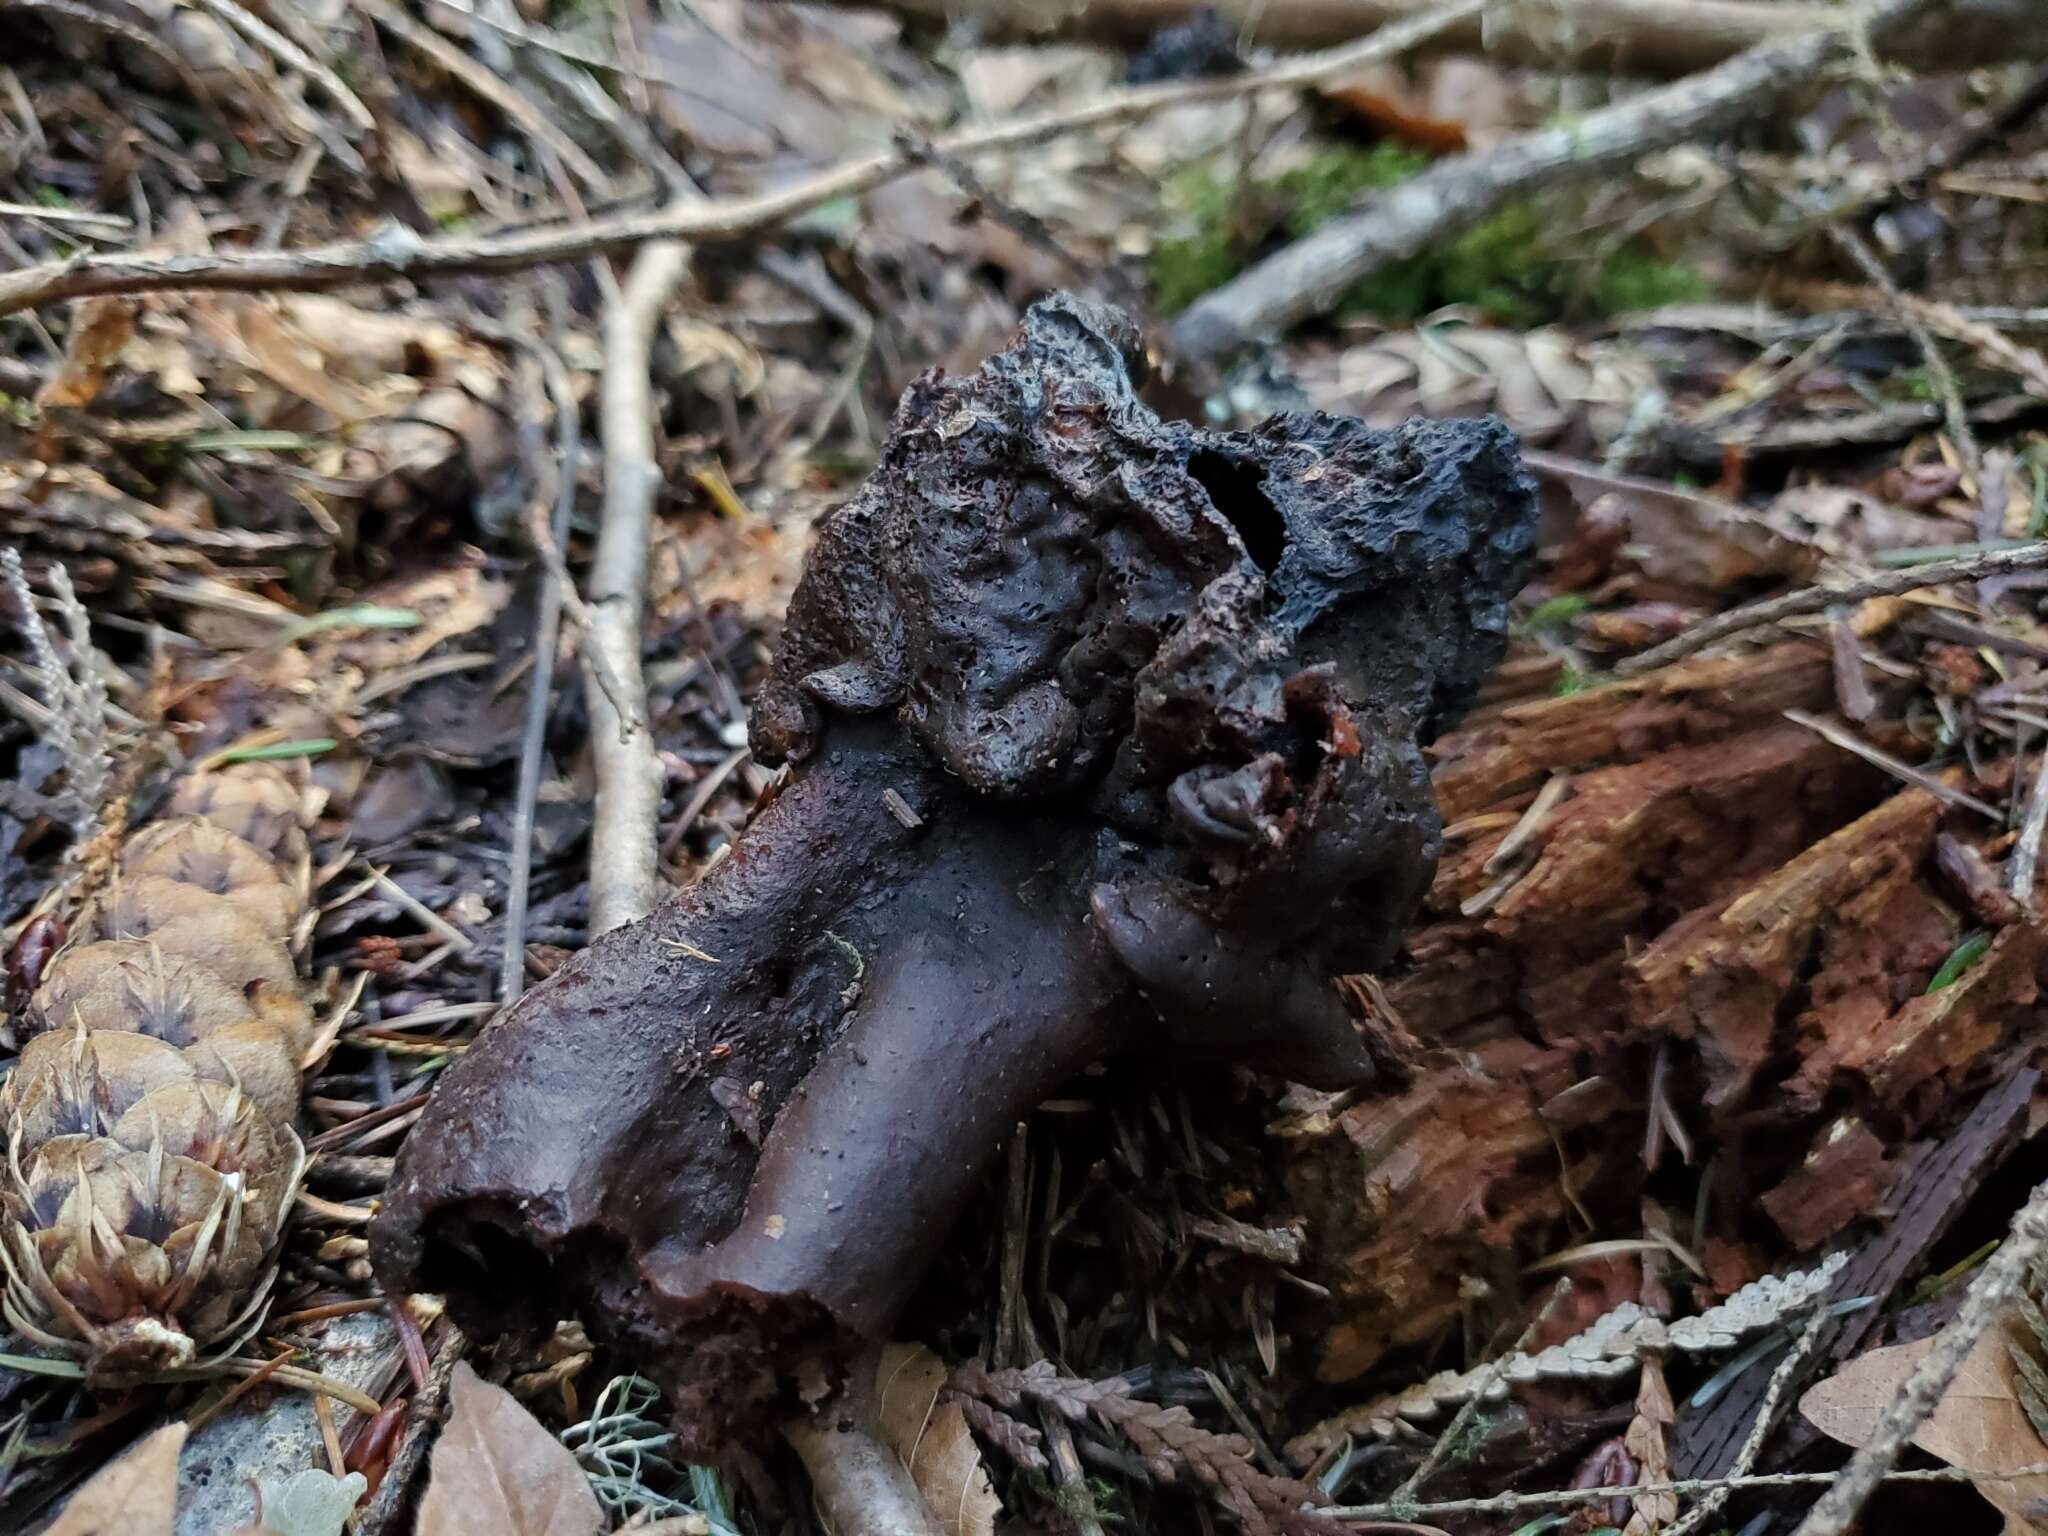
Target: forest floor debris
(1730,966)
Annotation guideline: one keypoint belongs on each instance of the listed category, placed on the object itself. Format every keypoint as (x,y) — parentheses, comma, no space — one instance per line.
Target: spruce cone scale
(151,1154)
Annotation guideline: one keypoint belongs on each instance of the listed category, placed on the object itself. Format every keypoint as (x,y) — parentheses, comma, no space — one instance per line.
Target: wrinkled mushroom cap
(1040,569)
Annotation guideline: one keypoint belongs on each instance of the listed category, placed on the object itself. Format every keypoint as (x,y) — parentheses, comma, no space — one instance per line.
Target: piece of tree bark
(1931,1193)
(1151,698)
(1719,977)
(1311,275)
(1646,37)
(1498,755)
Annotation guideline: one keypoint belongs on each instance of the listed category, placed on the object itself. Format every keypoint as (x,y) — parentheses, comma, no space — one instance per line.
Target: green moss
(1555,612)
(1204,254)
(1503,267)
(1327,184)
(1571,680)
(1632,278)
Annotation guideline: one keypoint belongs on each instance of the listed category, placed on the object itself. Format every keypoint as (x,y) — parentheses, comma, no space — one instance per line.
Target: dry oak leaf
(1978,1426)
(497,1472)
(933,1440)
(136,1495)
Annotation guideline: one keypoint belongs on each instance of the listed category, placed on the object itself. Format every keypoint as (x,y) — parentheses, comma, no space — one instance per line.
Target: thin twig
(2026,853)
(1989,343)
(259,31)
(112,223)
(264,35)
(1533,821)
(1990,1293)
(1593,37)
(1454,1431)
(1953,411)
(398,252)
(1792,605)
(562,44)
(529,119)
(541,684)
(1570,1498)
(1028,227)
(631,714)
(425,915)
(1760,1429)
(1313,273)
(1850,742)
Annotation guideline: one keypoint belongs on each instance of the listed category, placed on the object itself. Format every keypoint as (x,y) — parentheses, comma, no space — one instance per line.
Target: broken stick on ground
(1308,277)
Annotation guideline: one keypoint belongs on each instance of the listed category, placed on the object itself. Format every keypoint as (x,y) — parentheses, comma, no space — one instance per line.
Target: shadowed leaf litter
(1333,800)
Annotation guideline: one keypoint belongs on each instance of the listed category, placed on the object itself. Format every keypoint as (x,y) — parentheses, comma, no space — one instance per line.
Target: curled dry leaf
(98,333)
(1978,1426)
(497,1472)
(133,1496)
(933,1440)
(1648,1440)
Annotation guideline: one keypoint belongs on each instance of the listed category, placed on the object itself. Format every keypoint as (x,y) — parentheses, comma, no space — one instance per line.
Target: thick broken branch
(399,252)
(623,835)
(1642,37)
(1309,277)
(1152,696)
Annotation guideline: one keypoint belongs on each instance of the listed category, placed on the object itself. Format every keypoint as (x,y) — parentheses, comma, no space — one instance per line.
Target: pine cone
(152,1157)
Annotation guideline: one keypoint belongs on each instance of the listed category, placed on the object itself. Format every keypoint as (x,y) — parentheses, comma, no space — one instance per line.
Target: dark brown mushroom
(1104,738)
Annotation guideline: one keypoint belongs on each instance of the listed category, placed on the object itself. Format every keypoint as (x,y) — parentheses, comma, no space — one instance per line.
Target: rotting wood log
(1104,736)
(1770,917)
(1720,976)
(1500,754)
(1415,1193)
(1412,1197)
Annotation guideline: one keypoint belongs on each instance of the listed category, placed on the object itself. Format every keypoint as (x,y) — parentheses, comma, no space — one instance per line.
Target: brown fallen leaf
(497,1472)
(101,328)
(1978,1426)
(933,1440)
(136,1495)
(1648,1440)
